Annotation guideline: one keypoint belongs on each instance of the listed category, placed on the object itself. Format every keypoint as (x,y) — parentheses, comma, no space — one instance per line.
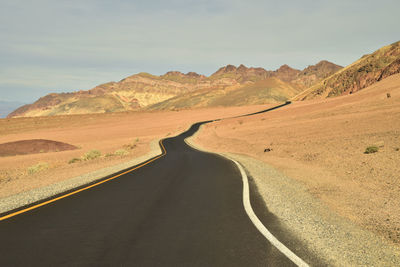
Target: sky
(60,46)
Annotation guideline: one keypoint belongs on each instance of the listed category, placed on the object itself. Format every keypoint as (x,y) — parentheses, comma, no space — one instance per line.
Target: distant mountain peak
(169,73)
(286,67)
(194,75)
(242,68)
(286,73)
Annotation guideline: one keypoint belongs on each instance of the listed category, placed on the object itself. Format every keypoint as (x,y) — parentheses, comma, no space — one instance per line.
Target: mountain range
(230,85)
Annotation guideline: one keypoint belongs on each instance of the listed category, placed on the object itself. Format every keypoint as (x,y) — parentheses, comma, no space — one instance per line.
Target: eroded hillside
(364,72)
(230,85)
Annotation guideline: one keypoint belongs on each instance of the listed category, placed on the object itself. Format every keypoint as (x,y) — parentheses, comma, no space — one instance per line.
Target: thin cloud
(54,39)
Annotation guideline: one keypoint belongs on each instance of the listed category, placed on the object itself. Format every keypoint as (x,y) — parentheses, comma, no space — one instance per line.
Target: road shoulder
(335,239)
(32,196)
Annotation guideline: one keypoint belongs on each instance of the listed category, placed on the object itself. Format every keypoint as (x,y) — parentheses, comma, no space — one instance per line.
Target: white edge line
(260,226)
(253,217)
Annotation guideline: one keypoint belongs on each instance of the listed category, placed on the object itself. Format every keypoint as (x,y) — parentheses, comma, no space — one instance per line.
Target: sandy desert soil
(131,131)
(321,144)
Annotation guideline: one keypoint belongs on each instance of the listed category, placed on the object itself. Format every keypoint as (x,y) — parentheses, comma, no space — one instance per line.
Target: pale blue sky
(59,46)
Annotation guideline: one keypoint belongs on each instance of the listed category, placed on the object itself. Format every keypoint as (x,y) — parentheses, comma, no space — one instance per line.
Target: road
(182,209)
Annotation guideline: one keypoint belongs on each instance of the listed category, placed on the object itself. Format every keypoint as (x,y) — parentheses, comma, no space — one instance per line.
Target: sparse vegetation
(129,146)
(108,155)
(74,160)
(371,149)
(38,167)
(92,154)
(121,152)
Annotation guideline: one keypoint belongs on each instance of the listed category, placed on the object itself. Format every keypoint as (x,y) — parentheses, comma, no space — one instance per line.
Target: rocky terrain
(366,71)
(230,85)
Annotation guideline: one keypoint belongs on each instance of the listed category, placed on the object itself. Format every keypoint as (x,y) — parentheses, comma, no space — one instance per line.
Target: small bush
(38,167)
(121,152)
(371,149)
(129,146)
(92,154)
(108,155)
(74,160)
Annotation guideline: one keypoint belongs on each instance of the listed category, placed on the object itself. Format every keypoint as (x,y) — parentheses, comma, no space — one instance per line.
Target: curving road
(183,208)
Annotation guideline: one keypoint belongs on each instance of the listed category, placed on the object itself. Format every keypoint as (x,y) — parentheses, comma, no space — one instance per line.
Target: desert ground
(322,144)
(119,137)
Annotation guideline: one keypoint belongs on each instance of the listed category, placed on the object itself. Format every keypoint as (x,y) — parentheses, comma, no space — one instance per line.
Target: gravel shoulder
(37,194)
(335,239)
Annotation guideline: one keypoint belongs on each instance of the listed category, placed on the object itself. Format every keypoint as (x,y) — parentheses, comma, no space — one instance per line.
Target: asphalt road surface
(182,209)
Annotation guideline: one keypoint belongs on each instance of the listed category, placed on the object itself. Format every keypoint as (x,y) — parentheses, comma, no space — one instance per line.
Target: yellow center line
(164,152)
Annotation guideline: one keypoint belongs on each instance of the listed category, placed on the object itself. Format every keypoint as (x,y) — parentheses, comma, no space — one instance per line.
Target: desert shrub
(92,154)
(38,167)
(240,122)
(74,160)
(129,146)
(121,152)
(371,149)
(108,155)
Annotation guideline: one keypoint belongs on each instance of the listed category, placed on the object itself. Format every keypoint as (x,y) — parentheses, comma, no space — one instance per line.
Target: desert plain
(119,137)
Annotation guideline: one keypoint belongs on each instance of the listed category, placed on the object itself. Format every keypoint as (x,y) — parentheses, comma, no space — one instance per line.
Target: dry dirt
(132,131)
(321,144)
